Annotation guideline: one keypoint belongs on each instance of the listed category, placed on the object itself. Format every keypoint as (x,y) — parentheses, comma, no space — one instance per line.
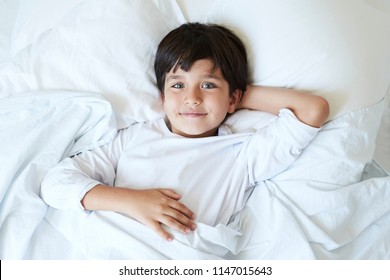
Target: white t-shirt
(214,175)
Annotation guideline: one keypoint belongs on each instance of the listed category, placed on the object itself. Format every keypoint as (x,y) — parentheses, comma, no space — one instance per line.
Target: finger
(170,193)
(178,221)
(157,227)
(180,207)
(171,222)
(186,223)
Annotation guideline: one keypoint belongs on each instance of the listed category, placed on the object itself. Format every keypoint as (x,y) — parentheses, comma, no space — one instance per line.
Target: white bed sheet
(319,208)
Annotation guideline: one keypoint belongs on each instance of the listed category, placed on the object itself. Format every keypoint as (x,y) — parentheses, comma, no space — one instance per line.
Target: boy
(189,167)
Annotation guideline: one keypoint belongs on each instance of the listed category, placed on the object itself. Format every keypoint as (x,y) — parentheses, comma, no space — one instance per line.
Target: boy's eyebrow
(174,77)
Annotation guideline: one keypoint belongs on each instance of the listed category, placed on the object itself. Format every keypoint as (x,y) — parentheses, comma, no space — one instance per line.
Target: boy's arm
(152,207)
(310,109)
(88,178)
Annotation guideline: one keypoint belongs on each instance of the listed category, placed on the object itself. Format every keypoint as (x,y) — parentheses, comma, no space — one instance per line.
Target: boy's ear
(235,99)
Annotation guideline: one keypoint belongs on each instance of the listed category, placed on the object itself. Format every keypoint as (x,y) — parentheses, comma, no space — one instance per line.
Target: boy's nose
(193,97)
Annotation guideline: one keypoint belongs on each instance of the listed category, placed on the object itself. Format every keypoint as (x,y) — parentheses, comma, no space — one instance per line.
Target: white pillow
(336,49)
(35,17)
(99,46)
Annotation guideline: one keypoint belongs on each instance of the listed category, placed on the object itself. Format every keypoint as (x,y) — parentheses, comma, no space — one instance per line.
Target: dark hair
(194,41)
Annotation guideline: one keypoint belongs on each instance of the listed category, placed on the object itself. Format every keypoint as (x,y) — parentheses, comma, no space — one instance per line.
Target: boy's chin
(194,133)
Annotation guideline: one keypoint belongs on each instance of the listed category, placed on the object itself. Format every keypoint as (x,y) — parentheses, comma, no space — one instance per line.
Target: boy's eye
(208,85)
(178,85)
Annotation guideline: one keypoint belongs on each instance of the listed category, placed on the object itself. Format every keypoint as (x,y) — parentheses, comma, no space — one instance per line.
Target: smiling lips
(193,114)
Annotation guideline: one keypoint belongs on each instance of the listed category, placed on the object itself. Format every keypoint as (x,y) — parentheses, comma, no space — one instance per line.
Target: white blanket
(36,131)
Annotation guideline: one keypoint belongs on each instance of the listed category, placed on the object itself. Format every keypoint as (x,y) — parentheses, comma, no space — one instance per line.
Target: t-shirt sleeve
(276,146)
(66,184)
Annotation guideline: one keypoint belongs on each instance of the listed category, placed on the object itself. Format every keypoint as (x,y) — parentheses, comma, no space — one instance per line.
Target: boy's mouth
(193,114)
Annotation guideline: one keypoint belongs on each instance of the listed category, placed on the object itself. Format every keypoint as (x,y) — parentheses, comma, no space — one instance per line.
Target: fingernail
(187,230)
(170,238)
(193,227)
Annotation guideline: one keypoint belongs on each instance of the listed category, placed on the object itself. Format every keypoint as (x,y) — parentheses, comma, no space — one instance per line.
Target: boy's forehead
(205,66)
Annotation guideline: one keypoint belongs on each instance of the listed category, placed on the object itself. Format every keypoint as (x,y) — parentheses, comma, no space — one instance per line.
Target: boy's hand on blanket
(158,207)
(152,207)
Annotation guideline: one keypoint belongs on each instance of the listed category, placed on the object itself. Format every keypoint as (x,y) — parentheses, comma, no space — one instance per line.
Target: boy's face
(196,102)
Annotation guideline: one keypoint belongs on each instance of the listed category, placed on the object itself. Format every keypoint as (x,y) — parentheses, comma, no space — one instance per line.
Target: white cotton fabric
(317,208)
(38,129)
(214,175)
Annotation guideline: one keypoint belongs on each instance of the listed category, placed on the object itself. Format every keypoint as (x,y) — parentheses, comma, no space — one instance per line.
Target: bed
(74,72)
